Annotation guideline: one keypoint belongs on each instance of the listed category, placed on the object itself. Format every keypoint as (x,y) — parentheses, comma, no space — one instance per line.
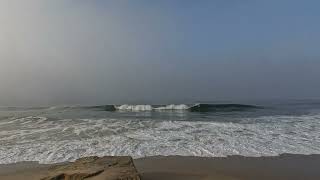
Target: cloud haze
(100,52)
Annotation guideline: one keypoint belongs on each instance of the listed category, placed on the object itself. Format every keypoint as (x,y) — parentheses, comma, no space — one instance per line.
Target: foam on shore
(37,138)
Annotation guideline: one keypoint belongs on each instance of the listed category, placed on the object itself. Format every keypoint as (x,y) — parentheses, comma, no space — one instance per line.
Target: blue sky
(95,52)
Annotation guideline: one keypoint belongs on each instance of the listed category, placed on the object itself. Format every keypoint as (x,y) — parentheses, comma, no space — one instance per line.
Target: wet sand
(306,167)
(286,166)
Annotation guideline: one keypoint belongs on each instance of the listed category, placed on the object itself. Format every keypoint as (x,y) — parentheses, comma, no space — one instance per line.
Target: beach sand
(283,167)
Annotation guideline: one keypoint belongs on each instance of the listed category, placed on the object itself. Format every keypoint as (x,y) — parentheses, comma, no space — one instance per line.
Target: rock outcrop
(94,168)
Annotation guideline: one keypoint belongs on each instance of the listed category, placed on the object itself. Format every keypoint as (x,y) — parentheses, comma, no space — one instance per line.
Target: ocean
(66,133)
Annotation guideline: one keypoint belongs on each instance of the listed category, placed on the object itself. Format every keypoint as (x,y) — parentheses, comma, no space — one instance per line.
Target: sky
(162,51)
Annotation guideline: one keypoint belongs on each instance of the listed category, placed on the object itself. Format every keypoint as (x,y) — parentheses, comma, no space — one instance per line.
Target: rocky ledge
(94,168)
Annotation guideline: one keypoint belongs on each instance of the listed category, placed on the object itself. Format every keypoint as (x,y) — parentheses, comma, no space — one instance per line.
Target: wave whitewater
(147,107)
(179,107)
(38,138)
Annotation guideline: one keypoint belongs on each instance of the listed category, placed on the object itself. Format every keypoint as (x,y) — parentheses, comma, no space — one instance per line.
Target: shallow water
(56,134)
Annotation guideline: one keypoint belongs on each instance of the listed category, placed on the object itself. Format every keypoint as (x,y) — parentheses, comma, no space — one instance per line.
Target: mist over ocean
(65,133)
(122,78)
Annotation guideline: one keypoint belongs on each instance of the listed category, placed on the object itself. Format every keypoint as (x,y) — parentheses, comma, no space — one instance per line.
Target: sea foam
(37,138)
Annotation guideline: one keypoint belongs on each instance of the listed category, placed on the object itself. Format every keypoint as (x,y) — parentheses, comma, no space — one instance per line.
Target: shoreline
(284,166)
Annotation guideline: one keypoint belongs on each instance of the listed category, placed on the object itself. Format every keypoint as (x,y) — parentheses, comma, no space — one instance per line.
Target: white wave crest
(127,107)
(173,107)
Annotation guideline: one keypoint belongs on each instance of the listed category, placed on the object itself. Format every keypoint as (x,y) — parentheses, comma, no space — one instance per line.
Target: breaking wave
(179,107)
(147,107)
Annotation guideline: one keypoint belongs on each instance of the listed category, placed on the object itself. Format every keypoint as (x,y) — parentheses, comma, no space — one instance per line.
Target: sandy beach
(286,166)
(281,167)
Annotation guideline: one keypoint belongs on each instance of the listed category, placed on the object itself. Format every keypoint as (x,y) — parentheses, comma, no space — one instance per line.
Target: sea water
(65,133)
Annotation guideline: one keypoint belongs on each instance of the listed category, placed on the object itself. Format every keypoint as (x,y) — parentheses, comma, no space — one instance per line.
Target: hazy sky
(101,52)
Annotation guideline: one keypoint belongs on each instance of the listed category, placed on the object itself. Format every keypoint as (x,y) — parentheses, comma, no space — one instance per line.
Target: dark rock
(95,168)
